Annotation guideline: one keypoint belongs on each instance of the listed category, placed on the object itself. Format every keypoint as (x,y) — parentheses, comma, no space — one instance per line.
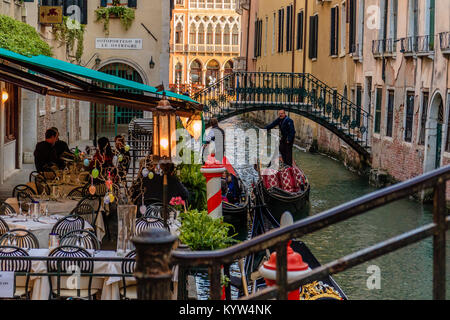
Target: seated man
(60,148)
(45,153)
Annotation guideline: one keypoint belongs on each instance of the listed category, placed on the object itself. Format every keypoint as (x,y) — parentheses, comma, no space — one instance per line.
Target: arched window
(209,34)
(226,35)
(196,72)
(228,68)
(201,34)
(179,34)
(178,73)
(192,34)
(218,36)
(235,35)
(212,72)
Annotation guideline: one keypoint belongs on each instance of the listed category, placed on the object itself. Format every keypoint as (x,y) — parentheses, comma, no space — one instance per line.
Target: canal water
(404,274)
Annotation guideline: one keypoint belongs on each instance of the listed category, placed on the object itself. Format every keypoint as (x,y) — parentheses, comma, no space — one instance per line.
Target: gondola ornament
(295,267)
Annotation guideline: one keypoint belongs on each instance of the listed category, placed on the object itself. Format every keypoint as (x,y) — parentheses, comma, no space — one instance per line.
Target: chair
(41,185)
(23,188)
(86,211)
(6,209)
(3,227)
(76,193)
(67,224)
(61,285)
(32,175)
(19,238)
(145,223)
(22,288)
(155,210)
(128,290)
(80,238)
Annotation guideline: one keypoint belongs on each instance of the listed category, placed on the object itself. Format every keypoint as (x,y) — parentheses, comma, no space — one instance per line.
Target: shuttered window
(379,98)
(280,30)
(409,116)
(300,30)
(289,28)
(423,121)
(313,36)
(352,27)
(390,113)
(334,33)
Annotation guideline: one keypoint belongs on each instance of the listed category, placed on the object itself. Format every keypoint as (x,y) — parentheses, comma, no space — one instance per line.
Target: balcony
(418,46)
(444,38)
(384,48)
(357,52)
(213,48)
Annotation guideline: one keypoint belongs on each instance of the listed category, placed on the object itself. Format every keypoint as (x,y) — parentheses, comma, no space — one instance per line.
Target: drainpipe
(248,34)
(305,35)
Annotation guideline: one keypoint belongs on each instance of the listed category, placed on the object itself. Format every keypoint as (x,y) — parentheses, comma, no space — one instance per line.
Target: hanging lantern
(193,125)
(164,131)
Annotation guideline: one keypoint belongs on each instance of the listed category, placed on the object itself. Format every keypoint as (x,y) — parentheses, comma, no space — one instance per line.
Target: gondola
(236,214)
(323,289)
(279,201)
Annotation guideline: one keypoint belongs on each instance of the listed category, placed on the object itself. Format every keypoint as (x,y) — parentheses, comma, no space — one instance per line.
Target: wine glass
(20,207)
(29,211)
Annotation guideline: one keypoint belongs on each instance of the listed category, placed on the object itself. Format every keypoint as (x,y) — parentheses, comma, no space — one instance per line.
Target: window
(393,17)
(201,34)
(11,112)
(352,27)
(423,120)
(210,4)
(179,2)
(226,35)
(179,34)
(378,101)
(313,36)
(274,26)
(192,34)
(300,30)
(430,21)
(265,35)
(209,34)
(218,36)
(235,36)
(358,104)
(409,116)
(334,35)
(390,113)
(258,38)
(280,30)
(196,72)
(289,28)
(178,72)
(413,18)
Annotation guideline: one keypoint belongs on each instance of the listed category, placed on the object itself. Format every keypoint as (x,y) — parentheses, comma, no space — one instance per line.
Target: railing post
(214,287)
(281,249)
(439,209)
(153,273)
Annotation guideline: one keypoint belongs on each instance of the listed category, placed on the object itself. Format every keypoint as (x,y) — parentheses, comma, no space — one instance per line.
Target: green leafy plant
(125,14)
(70,32)
(201,232)
(21,38)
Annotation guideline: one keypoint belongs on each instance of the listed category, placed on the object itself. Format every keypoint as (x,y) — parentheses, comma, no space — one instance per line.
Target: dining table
(61,207)
(109,285)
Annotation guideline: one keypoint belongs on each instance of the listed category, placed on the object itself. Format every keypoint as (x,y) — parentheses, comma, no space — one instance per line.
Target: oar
(243,277)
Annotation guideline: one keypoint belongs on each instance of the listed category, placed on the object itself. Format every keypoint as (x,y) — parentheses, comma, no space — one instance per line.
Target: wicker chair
(6,209)
(59,284)
(22,288)
(23,188)
(146,223)
(19,238)
(76,193)
(4,228)
(32,176)
(128,287)
(80,238)
(155,210)
(67,224)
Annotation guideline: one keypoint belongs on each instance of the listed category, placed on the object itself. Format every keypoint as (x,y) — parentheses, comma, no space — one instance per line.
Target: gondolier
(287,131)
(217,135)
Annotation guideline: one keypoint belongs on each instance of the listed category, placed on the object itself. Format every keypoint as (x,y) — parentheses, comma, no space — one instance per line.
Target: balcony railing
(357,50)
(418,45)
(207,48)
(384,48)
(444,39)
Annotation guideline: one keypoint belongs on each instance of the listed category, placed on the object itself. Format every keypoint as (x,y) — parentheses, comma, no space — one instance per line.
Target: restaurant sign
(117,43)
(50,14)
(6,284)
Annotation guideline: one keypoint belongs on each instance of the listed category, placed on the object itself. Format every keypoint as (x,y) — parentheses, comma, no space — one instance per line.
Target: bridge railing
(241,92)
(278,239)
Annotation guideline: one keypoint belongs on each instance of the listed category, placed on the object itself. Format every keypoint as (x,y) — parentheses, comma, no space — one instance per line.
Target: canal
(405,273)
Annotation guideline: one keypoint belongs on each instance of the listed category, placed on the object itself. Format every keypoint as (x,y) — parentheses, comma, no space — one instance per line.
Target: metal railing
(417,45)
(444,39)
(384,47)
(278,239)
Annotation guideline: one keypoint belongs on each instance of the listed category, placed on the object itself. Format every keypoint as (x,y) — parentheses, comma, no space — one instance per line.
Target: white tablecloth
(108,285)
(64,207)
(40,229)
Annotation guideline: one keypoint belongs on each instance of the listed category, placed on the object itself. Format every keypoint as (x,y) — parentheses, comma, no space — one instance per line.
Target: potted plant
(125,14)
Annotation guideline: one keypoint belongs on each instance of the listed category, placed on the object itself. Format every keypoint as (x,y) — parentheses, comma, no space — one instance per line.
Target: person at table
(61,147)
(287,131)
(45,153)
(103,157)
(153,188)
(123,165)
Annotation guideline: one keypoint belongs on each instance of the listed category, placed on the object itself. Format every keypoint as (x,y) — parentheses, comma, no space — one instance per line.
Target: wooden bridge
(299,93)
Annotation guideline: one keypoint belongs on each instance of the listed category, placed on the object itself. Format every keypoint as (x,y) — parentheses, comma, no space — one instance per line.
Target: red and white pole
(212,170)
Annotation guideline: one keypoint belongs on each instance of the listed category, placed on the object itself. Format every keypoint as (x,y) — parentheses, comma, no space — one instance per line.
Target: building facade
(389,57)
(205,39)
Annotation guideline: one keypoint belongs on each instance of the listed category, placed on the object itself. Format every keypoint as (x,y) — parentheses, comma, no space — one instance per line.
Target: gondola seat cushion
(287,182)
(299,177)
(270,178)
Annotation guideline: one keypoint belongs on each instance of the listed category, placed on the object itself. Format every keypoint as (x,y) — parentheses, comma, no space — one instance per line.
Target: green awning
(97,76)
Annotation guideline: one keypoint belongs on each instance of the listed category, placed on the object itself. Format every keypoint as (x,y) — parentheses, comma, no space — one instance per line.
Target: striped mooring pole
(212,170)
